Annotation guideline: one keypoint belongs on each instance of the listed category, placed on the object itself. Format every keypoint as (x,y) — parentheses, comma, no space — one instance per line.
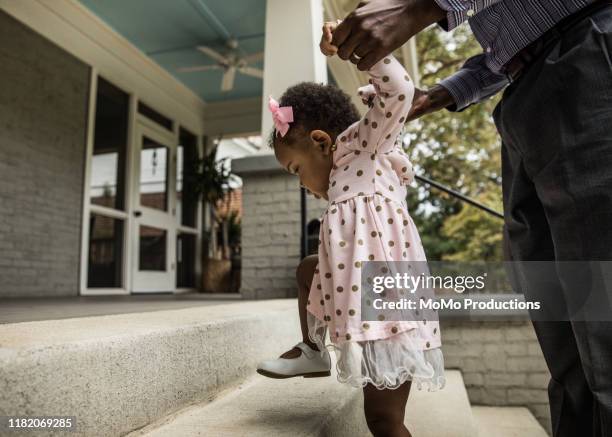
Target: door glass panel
(185,260)
(109,149)
(152,242)
(105,256)
(187,155)
(154,175)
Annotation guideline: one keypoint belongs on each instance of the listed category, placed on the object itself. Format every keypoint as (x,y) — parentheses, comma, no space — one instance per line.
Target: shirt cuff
(463,87)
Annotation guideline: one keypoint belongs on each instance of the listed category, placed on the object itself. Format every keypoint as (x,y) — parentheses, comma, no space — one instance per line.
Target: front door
(153,201)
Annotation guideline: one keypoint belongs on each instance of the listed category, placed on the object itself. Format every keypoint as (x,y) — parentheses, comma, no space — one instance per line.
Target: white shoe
(310,364)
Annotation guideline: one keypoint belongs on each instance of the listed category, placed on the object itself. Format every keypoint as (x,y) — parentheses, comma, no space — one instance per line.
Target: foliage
(209,180)
(210,177)
(460,150)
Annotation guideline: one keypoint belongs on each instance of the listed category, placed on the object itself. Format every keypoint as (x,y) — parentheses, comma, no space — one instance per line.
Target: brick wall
(43,108)
(271,234)
(502,364)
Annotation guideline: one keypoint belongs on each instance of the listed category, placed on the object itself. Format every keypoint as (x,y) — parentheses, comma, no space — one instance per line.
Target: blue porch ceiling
(169,30)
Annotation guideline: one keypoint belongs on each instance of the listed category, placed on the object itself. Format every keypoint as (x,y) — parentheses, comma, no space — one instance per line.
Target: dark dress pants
(555,122)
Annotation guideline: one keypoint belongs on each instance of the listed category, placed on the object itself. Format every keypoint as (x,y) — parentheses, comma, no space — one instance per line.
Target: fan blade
(212,53)
(228,79)
(255,57)
(250,71)
(198,68)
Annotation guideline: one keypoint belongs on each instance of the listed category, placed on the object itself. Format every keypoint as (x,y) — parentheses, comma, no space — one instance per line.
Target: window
(155,116)
(105,255)
(152,254)
(186,158)
(107,184)
(154,175)
(185,260)
(107,187)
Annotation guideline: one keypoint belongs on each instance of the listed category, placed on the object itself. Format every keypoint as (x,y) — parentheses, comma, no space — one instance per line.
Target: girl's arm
(389,96)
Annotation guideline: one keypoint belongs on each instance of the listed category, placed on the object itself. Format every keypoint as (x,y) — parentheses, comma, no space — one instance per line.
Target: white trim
(163,280)
(106,292)
(77,30)
(109,212)
(128,248)
(91,118)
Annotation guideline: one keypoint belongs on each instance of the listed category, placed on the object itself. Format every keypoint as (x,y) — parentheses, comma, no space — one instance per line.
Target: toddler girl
(361,169)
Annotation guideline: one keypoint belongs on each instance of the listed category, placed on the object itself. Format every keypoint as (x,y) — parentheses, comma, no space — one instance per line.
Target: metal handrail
(460,196)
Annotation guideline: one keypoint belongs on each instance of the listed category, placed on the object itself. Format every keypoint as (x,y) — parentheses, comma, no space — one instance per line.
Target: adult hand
(378,27)
(427,101)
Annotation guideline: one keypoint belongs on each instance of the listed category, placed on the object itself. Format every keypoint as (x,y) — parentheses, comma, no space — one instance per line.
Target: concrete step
(506,422)
(118,373)
(265,407)
(445,413)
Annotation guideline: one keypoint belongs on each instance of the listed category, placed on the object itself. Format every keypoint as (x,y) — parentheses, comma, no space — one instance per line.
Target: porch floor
(15,310)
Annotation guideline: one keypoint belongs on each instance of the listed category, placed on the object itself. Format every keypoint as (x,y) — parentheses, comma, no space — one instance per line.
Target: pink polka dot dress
(367,219)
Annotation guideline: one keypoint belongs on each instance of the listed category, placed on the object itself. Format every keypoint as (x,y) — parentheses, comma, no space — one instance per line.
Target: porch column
(292,55)
(271,197)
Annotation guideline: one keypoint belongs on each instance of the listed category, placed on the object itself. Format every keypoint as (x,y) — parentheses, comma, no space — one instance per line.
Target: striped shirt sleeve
(473,83)
(457,11)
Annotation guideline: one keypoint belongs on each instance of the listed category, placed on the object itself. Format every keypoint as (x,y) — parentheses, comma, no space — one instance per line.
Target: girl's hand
(327,48)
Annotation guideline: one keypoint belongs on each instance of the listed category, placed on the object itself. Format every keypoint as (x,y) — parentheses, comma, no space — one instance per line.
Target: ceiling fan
(231,62)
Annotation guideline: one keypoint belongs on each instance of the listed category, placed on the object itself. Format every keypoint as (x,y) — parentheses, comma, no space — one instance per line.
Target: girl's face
(310,158)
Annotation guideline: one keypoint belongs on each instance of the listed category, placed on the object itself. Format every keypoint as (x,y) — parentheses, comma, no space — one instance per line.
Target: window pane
(154,175)
(155,116)
(185,260)
(105,251)
(313,236)
(187,155)
(110,138)
(152,249)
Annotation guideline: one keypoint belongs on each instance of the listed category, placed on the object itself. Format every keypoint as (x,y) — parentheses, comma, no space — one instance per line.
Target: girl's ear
(321,141)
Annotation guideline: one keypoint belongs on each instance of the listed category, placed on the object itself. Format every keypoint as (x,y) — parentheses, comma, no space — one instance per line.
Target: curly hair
(316,106)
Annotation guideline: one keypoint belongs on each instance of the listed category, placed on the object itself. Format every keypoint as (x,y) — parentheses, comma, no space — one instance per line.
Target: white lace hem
(385,363)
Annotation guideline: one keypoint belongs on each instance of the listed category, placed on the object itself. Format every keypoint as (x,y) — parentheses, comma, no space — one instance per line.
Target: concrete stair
(191,372)
(119,373)
(264,407)
(506,422)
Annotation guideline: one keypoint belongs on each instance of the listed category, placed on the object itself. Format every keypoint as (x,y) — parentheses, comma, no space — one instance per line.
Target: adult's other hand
(427,101)
(377,27)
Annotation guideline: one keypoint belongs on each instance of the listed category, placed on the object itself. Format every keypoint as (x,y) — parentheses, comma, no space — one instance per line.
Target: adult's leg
(555,123)
(527,237)
(385,410)
(303,274)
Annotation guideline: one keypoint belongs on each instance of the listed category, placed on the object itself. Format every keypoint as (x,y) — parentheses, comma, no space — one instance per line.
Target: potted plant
(210,181)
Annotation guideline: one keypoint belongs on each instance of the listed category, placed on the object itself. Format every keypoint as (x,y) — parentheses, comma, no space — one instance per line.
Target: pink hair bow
(282,116)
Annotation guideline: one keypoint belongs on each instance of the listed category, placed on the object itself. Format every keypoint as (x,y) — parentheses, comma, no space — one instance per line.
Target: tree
(460,150)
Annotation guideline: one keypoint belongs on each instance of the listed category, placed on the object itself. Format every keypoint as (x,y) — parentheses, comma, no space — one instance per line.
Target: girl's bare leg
(304,275)
(385,410)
